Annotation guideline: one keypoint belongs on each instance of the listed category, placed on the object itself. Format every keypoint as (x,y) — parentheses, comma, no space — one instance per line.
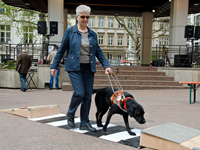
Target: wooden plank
(169,136)
(10,111)
(194,142)
(44,111)
(158,143)
(189,82)
(35,111)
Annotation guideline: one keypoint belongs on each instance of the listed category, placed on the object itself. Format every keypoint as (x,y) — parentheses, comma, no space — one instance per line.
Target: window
(197,20)
(161,41)
(119,25)
(119,40)
(91,22)
(167,25)
(162,26)
(128,40)
(110,22)
(4,33)
(130,24)
(28,34)
(100,39)
(110,40)
(166,41)
(101,22)
(69,16)
(2,10)
(69,25)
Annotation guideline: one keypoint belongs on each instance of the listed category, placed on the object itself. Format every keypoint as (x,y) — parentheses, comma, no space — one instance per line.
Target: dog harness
(117,99)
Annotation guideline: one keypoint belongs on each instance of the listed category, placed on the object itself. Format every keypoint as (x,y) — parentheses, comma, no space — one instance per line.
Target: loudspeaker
(53,27)
(182,61)
(42,27)
(189,31)
(197,32)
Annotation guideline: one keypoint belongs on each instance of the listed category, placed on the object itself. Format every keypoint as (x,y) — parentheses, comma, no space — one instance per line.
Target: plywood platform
(170,136)
(34,111)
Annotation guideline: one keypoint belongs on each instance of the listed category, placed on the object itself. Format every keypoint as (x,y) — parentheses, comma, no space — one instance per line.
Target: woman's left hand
(108,70)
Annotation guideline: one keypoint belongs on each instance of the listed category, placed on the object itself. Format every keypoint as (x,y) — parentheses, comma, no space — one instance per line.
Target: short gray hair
(82,8)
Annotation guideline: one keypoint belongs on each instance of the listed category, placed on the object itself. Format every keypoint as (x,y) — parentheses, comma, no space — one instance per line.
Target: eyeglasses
(84,17)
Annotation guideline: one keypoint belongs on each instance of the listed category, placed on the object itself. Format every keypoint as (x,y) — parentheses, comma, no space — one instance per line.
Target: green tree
(23,20)
(134,30)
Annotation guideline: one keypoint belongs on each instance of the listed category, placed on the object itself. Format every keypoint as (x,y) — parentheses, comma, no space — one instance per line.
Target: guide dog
(129,108)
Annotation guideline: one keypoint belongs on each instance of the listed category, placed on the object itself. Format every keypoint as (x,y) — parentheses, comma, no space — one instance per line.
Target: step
(146,73)
(139,82)
(133,78)
(135,68)
(67,87)
(136,77)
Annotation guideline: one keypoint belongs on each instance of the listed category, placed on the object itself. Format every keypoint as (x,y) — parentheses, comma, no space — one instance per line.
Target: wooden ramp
(171,136)
(34,111)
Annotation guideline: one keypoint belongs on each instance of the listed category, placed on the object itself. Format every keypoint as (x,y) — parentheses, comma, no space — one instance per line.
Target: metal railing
(12,51)
(178,55)
(171,55)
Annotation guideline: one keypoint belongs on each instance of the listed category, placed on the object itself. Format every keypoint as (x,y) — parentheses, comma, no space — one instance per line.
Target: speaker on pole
(53,27)
(197,32)
(189,31)
(42,27)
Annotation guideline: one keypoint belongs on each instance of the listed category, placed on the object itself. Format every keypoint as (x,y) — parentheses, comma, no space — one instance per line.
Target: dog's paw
(132,133)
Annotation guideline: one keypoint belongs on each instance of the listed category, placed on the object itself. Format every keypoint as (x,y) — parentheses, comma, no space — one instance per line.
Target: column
(56,13)
(178,21)
(147,19)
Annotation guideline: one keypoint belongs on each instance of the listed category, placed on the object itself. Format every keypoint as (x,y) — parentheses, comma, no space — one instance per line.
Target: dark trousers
(82,84)
(22,77)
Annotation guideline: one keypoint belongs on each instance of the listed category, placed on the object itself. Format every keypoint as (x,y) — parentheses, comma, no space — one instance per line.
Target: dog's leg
(110,113)
(98,119)
(125,116)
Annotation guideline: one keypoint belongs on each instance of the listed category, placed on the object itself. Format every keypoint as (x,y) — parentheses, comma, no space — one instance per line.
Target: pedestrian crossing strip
(114,133)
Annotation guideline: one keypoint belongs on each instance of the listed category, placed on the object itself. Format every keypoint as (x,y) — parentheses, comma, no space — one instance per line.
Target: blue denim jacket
(71,43)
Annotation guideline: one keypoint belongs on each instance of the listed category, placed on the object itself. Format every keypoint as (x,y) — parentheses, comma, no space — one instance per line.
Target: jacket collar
(75,29)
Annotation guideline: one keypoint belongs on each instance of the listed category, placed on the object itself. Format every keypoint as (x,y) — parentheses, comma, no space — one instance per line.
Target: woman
(82,47)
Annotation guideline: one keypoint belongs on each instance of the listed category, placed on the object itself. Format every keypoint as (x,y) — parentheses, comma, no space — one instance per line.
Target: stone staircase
(133,78)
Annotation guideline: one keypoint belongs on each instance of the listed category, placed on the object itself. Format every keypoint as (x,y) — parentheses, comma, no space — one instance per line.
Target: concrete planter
(182,74)
(44,76)
(10,78)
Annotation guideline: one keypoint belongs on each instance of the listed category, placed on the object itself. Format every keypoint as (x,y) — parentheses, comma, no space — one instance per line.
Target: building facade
(115,41)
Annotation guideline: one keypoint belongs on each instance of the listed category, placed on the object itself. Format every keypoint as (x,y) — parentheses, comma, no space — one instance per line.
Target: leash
(118,97)
(117,83)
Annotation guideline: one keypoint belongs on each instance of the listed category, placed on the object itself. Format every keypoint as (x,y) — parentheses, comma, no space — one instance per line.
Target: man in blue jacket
(82,47)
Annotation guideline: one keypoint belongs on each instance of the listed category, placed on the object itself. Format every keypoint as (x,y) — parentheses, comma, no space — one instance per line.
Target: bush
(11,64)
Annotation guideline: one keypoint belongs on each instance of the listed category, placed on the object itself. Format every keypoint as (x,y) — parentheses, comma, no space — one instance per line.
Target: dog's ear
(130,110)
(126,94)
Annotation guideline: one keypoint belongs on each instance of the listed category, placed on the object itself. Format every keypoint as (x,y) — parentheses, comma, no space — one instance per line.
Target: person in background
(22,66)
(82,47)
(50,58)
